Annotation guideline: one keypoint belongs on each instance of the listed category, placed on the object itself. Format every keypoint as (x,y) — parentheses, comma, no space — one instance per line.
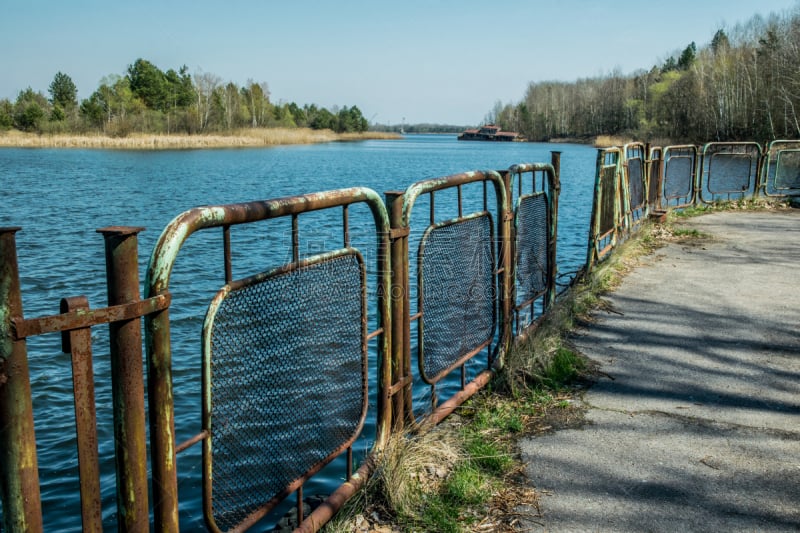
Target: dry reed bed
(237,139)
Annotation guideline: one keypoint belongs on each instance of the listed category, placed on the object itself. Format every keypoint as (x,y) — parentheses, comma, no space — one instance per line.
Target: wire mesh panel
(456,275)
(608,200)
(730,171)
(532,224)
(679,176)
(606,210)
(635,182)
(285,374)
(634,157)
(782,168)
(655,180)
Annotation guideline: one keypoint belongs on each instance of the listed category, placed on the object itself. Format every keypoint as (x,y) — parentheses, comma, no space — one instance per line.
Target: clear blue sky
(442,61)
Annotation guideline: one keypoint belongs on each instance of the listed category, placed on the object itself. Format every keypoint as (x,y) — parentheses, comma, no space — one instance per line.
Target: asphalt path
(694,422)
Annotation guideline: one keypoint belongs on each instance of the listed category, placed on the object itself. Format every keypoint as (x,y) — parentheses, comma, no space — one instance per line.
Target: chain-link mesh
(288,381)
(731,173)
(608,198)
(636,182)
(532,236)
(678,175)
(456,273)
(655,179)
(787,171)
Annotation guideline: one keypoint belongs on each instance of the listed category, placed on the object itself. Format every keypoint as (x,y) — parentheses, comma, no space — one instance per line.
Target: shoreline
(255,138)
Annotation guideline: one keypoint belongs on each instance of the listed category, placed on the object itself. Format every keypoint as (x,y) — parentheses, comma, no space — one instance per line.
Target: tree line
(146,99)
(743,85)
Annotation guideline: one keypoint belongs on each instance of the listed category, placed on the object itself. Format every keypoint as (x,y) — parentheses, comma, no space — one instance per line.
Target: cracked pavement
(695,425)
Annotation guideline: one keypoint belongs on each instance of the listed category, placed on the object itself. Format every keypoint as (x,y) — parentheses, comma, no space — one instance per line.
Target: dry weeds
(245,138)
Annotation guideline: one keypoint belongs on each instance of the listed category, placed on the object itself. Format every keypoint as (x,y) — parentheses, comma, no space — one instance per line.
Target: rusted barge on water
(489,132)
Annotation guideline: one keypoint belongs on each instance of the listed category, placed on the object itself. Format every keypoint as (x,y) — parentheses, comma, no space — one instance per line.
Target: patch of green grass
(691,211)
(564,367)
(487,455)
(467,485)
(498,416)
(688,233)
(437,515)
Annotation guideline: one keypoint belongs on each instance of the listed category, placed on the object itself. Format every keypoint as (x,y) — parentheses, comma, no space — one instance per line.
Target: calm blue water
(60,197)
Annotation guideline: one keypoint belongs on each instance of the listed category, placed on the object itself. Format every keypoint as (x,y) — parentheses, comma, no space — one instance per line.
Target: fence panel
(276,345)
(260,348)
(635,181)
(781,170)
(729,171)
(679,176)
(535,224)
(462,283)
(655,177)
(606,220)
(456,276)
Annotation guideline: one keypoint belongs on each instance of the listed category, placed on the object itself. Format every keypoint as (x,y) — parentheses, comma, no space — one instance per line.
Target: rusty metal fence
(781,169)
(679,173)
(606,222)
(635,205)
(637,180)
(729,171)
(284,365)
(285,359)
(461,278)
(535,235)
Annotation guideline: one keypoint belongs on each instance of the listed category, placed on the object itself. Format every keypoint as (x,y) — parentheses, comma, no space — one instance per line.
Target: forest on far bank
(146,99)
(743,85)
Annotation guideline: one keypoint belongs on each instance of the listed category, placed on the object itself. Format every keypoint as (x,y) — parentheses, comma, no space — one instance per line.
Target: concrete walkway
(697,426)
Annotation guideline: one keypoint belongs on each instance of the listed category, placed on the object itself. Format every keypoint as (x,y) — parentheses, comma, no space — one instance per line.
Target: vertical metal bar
(594,219)
(460,202)
(552,220)
(346,226)
(300,505)
(127,380)
(295,240)
(433,211)
(226,244)
(162,423)
(485,195)
(79,345)
(349,464)
(464,375)
(400,356)
(19,473)
(507,253)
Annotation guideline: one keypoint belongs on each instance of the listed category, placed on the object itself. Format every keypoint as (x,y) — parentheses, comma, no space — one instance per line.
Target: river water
(60,197)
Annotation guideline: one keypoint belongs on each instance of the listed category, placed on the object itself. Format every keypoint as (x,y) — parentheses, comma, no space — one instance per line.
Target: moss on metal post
(127,380)
(19,474)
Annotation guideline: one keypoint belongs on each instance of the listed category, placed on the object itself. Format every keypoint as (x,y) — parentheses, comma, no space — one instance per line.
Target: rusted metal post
(507,254)
(19,474)
(594,219)
(555,191)
(78,343)
(127,380)
(400,311)
(162,422)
